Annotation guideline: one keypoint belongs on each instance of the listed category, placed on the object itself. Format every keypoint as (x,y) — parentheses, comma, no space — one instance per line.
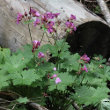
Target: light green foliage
(59,49)
(71,62)
(4,54)
(15,63)
(23,100)
(26,77)
(89,95)
(66,80)
(26,51)
(23,72)
(3,80)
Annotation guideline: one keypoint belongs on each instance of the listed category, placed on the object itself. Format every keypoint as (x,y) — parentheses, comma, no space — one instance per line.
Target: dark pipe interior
(91,38)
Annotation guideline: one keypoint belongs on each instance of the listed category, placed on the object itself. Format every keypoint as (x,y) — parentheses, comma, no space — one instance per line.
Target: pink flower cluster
(46,20)
(28,16)
(69,24)
(57,80)
(85,58)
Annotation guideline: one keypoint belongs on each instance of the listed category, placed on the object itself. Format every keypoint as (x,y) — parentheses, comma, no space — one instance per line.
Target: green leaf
(24,77)
(26,51)
(44,28)
(71,63)
(89,95)
(4,54)
(15,63)
(70,108)
(66,80)
(59,48)
(29,21)
(22,100)
(3,79)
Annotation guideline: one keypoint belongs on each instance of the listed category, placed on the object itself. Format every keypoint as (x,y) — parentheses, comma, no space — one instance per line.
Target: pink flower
(57,80)
(44,18)
(36,22)
(84,69)
(67,24)
(50,30)
(19,17)
(74,28)
(54,68)
(49,15)
(56,14)
(41,55)
(54,76)
(51,24)
(85,58)
(34,13)
(36,44)
(37,14)
(70,25)
(72,17)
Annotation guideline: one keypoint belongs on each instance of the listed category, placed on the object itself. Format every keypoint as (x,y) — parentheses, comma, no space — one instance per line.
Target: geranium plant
(66,82)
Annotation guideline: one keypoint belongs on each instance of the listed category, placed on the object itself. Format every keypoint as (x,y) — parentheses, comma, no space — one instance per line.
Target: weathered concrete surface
(13,35)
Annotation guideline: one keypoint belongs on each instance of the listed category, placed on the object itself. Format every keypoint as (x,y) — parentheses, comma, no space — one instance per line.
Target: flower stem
(30,32)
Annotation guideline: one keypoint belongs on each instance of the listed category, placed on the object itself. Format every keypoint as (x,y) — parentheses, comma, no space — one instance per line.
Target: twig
(75,106)
(94,1)
(104,10)
(13,107)
(48,38)
(42,37)
(3,108)
(37,106)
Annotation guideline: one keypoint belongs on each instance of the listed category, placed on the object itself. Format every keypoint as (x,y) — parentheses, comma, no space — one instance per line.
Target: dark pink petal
(41,55)
(67,24)
(36,22)
(74,28)
(73,17)
(50,30)
(54,76)
(50,25)
(85,58)
(84,69)
(36,44)
(56,14)
(19,17)
(50,15)
(44,18)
